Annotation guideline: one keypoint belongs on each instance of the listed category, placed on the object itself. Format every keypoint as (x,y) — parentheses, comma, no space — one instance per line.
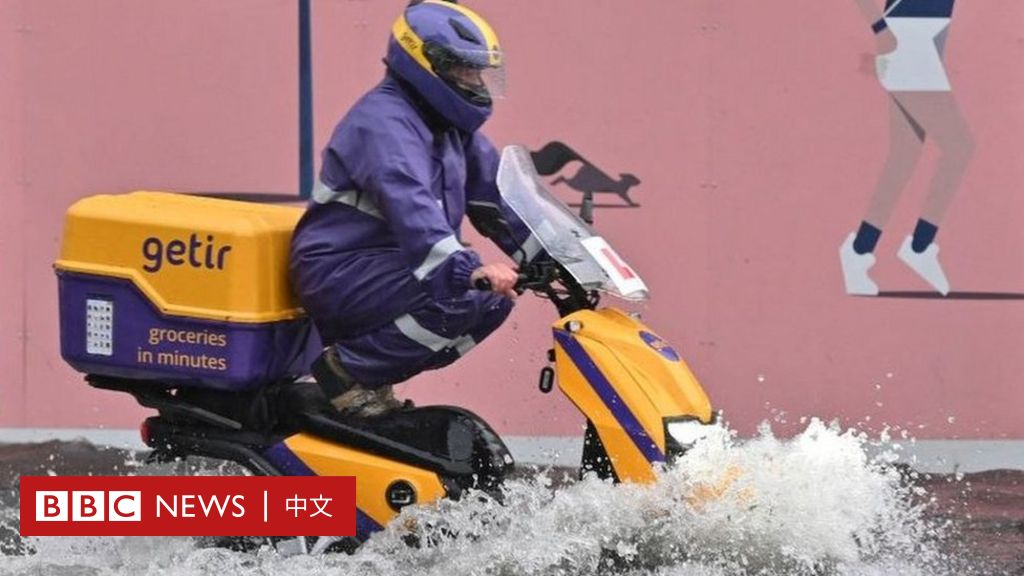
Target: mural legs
(914,116)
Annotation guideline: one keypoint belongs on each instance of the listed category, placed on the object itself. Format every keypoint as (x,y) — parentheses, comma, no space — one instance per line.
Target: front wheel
(595,458)
(283,545)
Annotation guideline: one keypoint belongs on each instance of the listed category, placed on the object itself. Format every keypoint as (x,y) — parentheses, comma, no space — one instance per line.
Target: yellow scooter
(183,302)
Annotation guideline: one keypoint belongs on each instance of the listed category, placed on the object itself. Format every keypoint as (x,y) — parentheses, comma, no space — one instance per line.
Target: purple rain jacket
(381,236)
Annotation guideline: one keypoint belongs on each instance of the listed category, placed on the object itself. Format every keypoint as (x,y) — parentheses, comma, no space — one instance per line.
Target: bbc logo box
(88,506)
(187,505)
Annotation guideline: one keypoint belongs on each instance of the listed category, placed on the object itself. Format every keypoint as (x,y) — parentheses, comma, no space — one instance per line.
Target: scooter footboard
(411,456)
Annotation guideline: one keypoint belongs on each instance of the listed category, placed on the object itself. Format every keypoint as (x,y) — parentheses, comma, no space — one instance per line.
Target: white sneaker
(855,269)
(926,264)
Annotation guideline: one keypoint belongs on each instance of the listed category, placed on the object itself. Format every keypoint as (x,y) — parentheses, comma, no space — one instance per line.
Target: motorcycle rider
(377,259)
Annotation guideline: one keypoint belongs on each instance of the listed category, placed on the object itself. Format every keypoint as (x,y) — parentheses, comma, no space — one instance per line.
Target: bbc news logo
(187,506)
(88,506)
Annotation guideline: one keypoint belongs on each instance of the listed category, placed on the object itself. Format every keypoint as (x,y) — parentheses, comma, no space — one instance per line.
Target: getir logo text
(187,506)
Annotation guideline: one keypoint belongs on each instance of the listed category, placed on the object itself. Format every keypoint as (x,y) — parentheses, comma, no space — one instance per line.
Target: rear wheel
(284,545)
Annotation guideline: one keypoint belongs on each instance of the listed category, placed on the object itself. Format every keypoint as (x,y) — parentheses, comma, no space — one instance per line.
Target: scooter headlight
(682,433)
(687,433)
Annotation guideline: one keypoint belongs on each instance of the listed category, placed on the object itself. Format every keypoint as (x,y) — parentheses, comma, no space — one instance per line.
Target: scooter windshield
(565,237)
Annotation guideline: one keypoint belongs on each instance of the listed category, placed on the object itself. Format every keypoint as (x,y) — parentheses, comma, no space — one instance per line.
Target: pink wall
(757,137)
(12,245)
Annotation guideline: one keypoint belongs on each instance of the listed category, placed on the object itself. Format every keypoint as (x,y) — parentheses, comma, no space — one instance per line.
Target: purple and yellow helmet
(451,57)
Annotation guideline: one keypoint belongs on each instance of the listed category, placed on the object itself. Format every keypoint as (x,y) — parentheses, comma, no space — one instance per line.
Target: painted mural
(911,38)
(732,160)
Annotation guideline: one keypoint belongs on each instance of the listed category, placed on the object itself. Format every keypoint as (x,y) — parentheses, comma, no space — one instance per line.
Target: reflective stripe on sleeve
(414,331)
(439,252)
(323,194)
(464,344)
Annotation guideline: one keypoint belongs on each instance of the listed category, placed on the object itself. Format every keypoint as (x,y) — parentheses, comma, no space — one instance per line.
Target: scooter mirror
(488,220)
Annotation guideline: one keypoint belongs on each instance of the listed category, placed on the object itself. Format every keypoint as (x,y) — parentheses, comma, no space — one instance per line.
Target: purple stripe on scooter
(286,461)
(291,465)
(365,526)
(611,398)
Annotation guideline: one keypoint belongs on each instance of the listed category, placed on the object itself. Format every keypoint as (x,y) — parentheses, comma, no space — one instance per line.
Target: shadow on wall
(588,178)
(954,295)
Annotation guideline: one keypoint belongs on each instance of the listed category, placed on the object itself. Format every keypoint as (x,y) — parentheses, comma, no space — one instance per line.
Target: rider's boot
(348,396)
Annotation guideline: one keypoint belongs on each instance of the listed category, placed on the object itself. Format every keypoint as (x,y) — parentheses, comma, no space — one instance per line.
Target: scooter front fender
(628,382)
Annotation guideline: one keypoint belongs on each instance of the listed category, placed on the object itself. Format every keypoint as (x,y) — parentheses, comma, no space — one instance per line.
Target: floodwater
(814,504)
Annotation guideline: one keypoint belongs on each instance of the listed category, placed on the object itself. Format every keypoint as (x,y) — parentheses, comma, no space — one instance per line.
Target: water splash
(815,504)
(811,505)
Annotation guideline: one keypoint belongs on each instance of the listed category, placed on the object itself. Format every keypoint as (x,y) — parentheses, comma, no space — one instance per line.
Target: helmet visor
(478,74)
(488,82)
